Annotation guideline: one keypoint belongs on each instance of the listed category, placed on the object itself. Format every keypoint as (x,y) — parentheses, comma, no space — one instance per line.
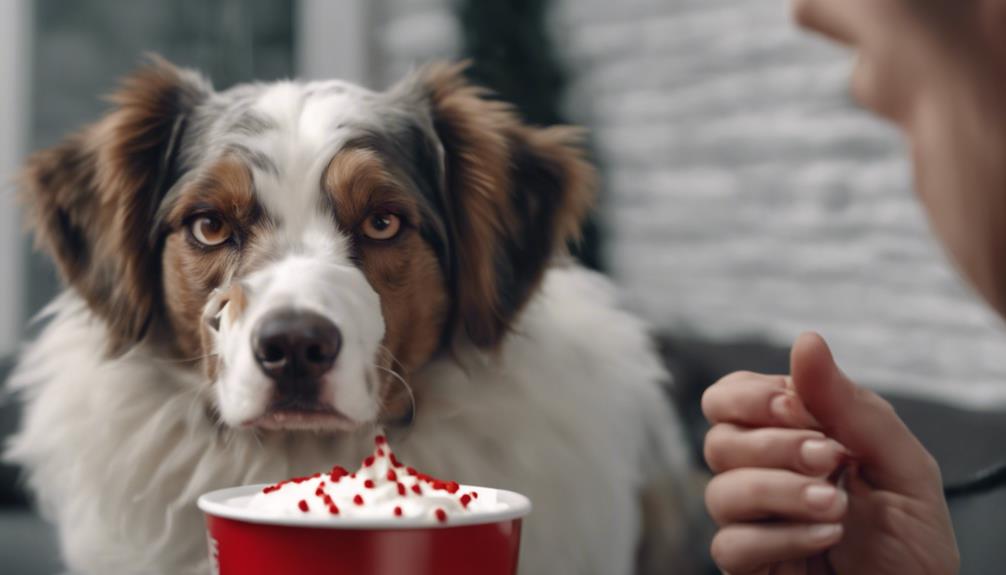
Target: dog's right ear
(93,197)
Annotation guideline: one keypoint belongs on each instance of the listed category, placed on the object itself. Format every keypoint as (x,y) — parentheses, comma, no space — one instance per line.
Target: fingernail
(820,496)
(780,407)
(819,454)
(825,531)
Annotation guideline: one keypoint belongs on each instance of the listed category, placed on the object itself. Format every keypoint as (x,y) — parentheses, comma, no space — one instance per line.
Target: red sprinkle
(369,484)
(380,440)
(358,499)
(338,473)
(398,511)
(352,476)
(452,487)
(394,460)
(380,452)
(368,461)
(475,494)
(441,515)
(303,505)
(410,471)
(392,476)
(401,489)
(465,500)
(333,509)
(417,490)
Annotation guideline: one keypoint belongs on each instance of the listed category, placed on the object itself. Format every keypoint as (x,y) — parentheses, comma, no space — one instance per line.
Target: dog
(259,277)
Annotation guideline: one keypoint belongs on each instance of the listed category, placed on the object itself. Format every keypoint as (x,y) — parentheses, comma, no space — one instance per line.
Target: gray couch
(963,441)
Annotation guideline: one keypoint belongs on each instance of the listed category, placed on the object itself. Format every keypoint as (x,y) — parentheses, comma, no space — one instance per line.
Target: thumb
(890,457)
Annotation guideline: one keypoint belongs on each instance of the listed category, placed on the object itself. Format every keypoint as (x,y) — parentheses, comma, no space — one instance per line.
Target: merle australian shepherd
(259,277)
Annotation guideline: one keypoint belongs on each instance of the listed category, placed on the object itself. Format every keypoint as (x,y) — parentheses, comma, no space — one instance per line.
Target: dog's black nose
(294,347)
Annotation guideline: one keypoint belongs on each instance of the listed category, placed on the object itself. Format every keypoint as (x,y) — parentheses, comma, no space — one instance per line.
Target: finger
(752,494)
(728,446)
(748,548)
(866,424)
(755,400)
(836,19)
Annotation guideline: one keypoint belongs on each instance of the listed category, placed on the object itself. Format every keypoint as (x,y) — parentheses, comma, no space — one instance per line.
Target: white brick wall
(747,196)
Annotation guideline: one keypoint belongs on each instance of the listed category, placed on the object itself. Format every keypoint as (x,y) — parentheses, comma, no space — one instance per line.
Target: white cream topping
(382,487)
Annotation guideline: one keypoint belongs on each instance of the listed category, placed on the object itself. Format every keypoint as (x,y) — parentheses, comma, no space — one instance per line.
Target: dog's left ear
(514,196)
(92,198)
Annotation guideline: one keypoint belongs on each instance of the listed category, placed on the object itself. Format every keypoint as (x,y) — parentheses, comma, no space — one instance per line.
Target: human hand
(774,443)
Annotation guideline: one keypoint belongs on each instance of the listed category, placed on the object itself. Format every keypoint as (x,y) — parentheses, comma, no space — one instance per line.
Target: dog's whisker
(408,389)
(390,355)
(258,439)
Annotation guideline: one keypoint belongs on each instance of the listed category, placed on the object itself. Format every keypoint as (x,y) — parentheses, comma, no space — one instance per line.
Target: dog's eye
(210,230)
(382,226)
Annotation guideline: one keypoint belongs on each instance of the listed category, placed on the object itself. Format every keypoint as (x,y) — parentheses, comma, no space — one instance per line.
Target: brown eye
(382,226)
(210,230)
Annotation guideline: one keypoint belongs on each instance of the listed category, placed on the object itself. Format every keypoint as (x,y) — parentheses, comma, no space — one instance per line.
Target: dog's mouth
(303,415)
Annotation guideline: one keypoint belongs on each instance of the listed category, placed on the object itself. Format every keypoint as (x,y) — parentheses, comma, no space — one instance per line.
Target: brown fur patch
(516,193)
(358,182)
(192,272)
(404,271)
(92,198)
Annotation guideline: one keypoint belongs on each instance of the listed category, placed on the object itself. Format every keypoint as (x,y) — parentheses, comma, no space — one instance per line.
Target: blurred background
(745,198)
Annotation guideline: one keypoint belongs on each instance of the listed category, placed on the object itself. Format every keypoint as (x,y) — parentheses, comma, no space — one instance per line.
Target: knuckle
(722,552)
(708,401)
(720,491)
(712,451)
(727,555)
(713,498)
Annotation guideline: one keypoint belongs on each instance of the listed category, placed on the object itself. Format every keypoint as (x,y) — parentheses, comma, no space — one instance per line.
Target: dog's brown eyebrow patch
(226,186)
(357,181)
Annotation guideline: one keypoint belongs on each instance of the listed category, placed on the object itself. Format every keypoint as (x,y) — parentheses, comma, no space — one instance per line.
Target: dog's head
(306,243)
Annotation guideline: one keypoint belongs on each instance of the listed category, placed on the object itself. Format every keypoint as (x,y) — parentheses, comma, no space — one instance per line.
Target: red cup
(243,542)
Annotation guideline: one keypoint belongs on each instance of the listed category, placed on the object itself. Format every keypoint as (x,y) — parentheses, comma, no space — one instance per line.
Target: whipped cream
(381,487)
